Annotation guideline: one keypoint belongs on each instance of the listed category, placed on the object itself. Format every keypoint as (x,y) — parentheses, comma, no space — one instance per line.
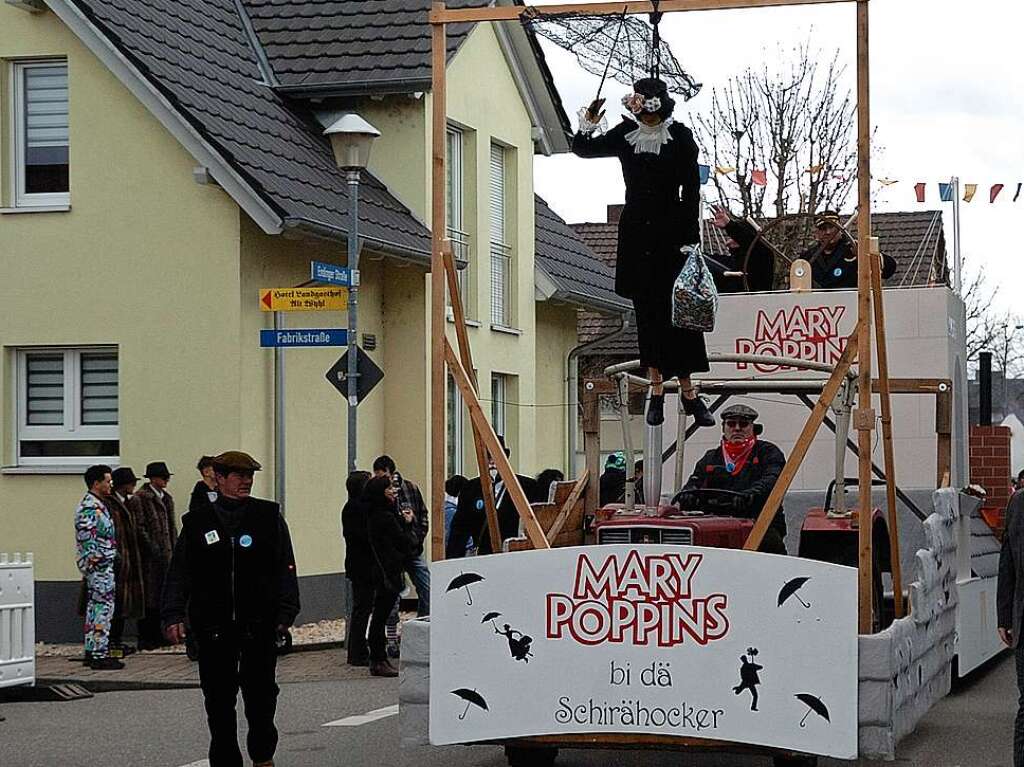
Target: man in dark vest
(745,465)
(233,575)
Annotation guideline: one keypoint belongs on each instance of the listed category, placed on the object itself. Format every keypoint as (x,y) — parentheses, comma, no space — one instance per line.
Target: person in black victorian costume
(661,215)
(834,256)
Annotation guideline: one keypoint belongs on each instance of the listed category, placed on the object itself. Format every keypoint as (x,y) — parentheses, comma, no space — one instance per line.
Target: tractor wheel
(519,756)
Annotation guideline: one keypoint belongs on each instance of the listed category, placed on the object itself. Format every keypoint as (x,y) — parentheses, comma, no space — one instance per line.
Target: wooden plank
(515,492)
(864,425)
(567,507)
(437,319)
(802,445)
(887,447)
(466,355)
(592,448)
(912,385)
(513,13)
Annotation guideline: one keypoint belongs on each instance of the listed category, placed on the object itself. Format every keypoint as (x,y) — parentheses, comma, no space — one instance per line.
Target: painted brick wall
(990,463)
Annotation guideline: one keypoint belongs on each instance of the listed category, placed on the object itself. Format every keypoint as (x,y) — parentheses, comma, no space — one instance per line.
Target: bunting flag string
(705,173)
(884,181)
(1017,194)
(919,191)
(945,193)
(969,191)
(994,192)
(759,177)
(724,170)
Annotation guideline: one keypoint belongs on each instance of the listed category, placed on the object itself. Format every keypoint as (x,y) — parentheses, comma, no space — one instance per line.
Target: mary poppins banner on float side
(689,641)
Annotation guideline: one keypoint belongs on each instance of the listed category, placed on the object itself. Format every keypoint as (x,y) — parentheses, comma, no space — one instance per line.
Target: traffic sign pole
(353,311)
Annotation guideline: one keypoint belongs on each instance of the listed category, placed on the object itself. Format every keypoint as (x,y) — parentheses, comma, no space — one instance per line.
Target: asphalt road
(353,723)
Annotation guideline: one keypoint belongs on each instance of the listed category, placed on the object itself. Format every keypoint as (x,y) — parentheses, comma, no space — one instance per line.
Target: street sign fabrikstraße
(369,375)
(271,338)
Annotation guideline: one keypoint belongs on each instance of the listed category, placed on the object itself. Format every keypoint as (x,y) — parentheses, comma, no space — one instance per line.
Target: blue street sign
(330,274)
(304,337)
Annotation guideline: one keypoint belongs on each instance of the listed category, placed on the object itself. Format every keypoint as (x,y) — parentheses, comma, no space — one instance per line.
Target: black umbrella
(490,617)
(627,48)
(790,590)
(462,581)
(813,704)
(471,697)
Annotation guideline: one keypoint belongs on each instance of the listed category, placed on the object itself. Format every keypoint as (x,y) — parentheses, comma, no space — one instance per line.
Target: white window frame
(455,183)
(19,197)
(72,430)
(502,315)
(499,403)
(455,426)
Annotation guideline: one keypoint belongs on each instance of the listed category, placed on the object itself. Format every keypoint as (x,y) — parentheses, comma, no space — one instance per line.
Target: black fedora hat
(157,469)
(123,476)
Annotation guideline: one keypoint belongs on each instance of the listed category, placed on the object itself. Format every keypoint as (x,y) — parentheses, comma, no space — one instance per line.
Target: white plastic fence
(17,621)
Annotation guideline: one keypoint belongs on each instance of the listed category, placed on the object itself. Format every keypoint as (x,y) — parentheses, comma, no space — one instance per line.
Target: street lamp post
(351,139)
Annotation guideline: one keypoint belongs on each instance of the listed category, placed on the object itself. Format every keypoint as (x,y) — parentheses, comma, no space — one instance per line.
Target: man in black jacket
(1010,607)
(233,574)
(409,497)
(834,258)
(744,465)
(470,520)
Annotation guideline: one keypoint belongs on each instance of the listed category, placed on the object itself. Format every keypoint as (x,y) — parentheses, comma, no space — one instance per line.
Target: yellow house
(163,161)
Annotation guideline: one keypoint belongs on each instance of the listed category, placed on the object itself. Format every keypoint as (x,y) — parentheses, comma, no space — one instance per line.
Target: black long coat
(662,213)
(470,520)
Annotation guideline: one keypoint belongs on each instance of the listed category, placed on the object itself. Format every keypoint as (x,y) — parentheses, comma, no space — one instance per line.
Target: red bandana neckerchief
(737,453)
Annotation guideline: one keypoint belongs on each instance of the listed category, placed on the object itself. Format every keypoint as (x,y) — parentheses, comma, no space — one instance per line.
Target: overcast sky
(947,98)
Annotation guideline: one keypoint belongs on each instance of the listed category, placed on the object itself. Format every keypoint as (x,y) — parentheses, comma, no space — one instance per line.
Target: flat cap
(740,411)
(236,459)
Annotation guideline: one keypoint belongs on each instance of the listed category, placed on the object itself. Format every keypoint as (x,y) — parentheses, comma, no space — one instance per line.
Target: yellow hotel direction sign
(327,299)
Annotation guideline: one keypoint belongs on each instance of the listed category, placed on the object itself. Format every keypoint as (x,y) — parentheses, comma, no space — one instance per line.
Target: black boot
(656,410)
(695,407)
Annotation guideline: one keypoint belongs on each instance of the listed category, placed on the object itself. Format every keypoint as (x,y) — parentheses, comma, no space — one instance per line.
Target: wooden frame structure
(858,350)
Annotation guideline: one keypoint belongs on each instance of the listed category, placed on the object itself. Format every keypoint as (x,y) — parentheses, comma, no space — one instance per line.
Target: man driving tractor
(743,466)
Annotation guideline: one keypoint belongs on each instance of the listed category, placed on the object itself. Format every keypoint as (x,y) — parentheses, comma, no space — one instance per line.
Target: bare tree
(795,123)
(1001,333)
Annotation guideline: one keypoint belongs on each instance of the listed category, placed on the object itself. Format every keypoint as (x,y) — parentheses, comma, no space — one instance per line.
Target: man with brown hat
(233,577)
(153,507)
(834,258)
(745,468)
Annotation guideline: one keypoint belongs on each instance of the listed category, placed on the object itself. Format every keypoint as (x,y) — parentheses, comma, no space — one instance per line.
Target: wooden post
(592,446)
(490,439)
(864,415)
(803,443)
(466,355)
(886,406)
(437,321)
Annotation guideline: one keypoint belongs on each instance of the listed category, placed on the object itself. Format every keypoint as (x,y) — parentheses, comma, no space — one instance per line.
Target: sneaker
(695,407)
(383,668)
(656,410)
(105,664)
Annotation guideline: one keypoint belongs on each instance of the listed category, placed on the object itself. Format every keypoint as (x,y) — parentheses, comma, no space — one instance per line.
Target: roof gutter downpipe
(572,388)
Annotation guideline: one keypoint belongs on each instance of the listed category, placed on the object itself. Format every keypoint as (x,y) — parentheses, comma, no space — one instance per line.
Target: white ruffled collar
(650,138)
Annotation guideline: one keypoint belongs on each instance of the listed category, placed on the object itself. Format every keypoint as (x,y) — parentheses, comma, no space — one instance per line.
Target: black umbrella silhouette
(790,590)
(462,581)
(490,617)
(471,697)
(813,704)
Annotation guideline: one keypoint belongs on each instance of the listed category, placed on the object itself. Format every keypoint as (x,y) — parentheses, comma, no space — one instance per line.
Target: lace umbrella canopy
(625,48)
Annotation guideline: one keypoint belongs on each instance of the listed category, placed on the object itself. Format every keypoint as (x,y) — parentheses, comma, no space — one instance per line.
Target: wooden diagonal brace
(486,434)
(803,443)
(567,507)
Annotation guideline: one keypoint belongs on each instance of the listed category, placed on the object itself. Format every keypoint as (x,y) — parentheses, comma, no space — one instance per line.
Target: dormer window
(39,116)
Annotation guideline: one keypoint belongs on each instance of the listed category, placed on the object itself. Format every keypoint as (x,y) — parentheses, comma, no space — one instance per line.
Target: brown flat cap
(236,459)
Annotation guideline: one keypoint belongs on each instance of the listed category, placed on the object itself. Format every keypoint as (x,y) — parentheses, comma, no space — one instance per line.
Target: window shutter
(497,194)
(99,389)
(45,390)
(46,115)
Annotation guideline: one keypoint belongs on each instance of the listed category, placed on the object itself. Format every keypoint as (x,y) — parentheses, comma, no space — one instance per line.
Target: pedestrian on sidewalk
(153,506)
(410,498)
(393,541)
(358,567)
(96,549)
(1010,607)
(206,487)
(129,592)
(233,575)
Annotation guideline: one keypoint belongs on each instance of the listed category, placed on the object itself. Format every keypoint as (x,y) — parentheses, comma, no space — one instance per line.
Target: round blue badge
(245,541)
(479,503)
(838,272)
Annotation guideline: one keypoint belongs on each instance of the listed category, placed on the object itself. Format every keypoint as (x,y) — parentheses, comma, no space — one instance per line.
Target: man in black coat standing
(233,575)
(470,520)
(834,258)
(744,465)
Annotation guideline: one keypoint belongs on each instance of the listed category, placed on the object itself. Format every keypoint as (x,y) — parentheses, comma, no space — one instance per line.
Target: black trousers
(150,634)
(1018,724)
(359,619)
(383,602)
(236,659)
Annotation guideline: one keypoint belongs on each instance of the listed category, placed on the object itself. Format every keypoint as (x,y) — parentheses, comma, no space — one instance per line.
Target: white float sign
(687,641)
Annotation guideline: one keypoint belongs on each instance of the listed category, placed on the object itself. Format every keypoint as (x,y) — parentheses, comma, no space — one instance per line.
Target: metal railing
(17,621)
